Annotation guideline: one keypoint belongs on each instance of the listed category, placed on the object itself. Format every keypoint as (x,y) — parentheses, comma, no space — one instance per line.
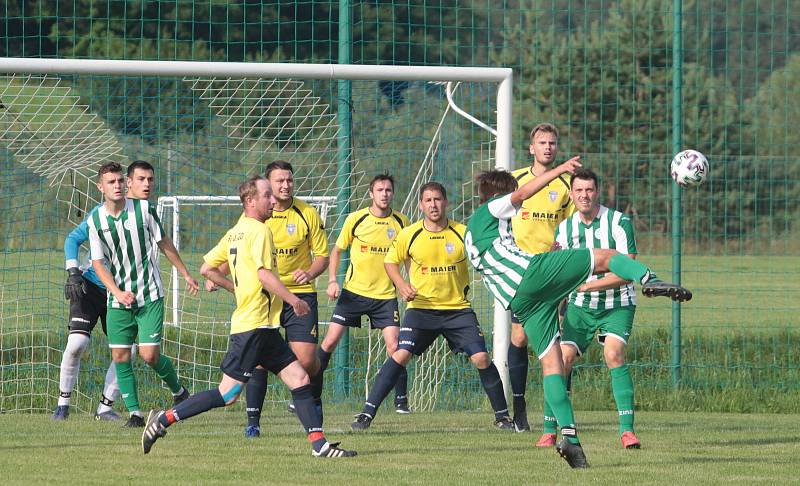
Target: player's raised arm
(539,182)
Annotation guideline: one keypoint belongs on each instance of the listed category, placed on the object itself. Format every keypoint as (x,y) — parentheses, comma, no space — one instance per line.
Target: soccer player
(255,338)
(367,289)
(533,228)
(125,234)
(437,304)
(87,304)
(605,303)
(533,286)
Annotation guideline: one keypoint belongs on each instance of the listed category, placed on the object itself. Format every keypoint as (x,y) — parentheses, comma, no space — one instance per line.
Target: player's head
(544,143)
(493,183)
(433,202)
(584,191)
(381,191)
(257,198)
(111,182)
(141,179)
(280,175)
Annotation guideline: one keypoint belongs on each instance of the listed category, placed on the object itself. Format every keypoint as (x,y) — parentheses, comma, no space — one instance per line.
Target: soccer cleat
(176,399)
(546,440)
(630,441)
(252,431)
(572,453)
(109,416)
(504,423)
(362,421)
(402,408)
(153,431)
(521,421)
(61,412)
(134,422)
(290,408)
(333,450)
(653,286)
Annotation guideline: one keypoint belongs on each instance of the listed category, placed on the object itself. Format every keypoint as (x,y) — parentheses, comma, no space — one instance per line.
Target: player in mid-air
(368,291)
(126,235)
(438,304)
(533,228)
(255,338)
(533,286)
(605,304)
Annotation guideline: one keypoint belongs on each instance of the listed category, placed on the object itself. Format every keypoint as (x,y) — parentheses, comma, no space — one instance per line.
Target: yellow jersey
(247,247)
(369,239)
(535,224)
(299,235)
(438,265)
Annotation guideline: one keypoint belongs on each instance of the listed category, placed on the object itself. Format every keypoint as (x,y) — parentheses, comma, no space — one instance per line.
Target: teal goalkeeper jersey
(492,250)
(610,229)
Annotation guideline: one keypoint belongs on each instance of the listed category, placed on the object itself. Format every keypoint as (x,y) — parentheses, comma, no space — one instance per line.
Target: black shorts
(301,329)
(84,312)
(259,347)
(350,307)
(459,327)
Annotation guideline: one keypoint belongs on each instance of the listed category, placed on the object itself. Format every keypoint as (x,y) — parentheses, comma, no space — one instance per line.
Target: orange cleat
(546,440)
(630,441)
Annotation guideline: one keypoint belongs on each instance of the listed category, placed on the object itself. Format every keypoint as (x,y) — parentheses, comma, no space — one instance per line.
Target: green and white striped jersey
(492,250)
(128,245)
(610,230)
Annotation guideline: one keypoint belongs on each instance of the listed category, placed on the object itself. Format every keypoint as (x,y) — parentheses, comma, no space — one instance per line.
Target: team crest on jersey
(291,228)
(390,232)
(128,224)
(449,247)
(553,195)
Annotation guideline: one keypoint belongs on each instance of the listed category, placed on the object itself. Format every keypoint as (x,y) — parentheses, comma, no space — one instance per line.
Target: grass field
(438,448)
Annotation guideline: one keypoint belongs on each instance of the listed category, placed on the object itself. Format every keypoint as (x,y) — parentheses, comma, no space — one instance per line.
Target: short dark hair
(277,165)
(381,177)
(432,186)
(544,128)
(494,182)
(140,164)
(109,168)
(584,174)
(248,188)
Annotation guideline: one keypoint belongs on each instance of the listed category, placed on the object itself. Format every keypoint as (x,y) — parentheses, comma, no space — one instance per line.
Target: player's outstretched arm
(540,181)
(273,284)
(333,267)
(405,289)
(174,257)
(213,274)
(124,298)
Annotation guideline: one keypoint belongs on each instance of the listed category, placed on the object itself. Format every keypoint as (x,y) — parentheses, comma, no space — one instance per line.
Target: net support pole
(677,117)
(501,337)
(343,170)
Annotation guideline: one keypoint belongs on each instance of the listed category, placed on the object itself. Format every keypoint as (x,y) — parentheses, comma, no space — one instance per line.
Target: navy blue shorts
(301,329)
(459,327)
(259,347)
(84,312)
(351,306)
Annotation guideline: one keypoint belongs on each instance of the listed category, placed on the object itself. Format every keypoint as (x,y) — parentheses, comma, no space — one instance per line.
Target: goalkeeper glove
(75,286)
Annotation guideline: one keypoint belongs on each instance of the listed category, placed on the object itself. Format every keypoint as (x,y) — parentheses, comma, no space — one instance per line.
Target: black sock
(490,379)
(384,382)
(518,374)
(401,388)
(306,409)
(324,358)
(194,405)
(254,398)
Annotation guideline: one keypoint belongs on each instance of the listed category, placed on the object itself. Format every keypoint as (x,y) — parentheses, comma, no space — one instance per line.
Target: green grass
(439,448)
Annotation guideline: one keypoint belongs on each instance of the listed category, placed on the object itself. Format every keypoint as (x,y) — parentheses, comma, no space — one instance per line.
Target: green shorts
(146,322)
(549,279)
(580,325)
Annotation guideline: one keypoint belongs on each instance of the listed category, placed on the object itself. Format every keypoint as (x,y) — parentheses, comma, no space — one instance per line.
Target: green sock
(622,386)
(627,268)
(550,424)
(555,392)
(167,373)
(127,385)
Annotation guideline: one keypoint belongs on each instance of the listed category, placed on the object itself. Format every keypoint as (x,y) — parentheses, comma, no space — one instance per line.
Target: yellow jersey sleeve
(299,236)
(535,224)
(219,254)
(370,240)
(438,265)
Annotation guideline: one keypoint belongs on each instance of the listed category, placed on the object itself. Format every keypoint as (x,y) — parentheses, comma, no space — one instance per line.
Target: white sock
(70,365)
(110,390)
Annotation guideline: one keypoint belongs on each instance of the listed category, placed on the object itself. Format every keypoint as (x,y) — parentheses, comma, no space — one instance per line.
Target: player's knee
(391,348)
(481,360)
(569,360)
(614,359)
(518,336)
(150,356)
(231,395)
(402,356)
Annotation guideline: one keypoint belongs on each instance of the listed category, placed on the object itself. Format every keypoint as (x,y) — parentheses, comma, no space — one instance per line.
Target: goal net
(205,127)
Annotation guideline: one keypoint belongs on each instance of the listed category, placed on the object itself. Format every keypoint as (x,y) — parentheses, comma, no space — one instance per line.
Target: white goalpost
(263,111)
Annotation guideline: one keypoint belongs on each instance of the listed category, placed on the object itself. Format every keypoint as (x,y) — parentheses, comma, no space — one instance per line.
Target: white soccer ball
(689,168)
